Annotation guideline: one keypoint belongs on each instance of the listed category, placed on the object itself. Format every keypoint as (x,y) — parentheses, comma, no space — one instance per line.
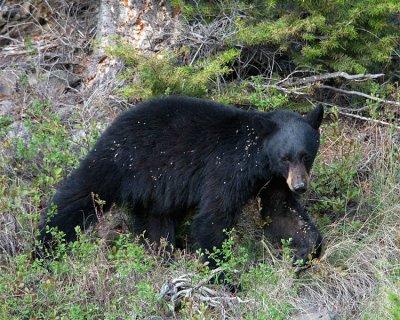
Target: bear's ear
(314,117)
(263,125)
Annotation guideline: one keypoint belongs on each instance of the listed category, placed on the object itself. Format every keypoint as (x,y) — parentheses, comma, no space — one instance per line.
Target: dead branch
(360,94)
(289,77)
(356,116)
(293,82)
(180,288)
(289,91)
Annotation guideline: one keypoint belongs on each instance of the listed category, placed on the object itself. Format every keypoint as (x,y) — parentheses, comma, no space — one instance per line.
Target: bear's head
(292,146)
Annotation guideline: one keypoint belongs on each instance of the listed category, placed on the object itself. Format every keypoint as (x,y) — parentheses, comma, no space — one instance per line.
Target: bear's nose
(300,187)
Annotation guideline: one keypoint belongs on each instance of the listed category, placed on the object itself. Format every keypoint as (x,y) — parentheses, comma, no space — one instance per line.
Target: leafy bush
(229,258)
(278,37)
(394,305)
(335,183)
(161,74)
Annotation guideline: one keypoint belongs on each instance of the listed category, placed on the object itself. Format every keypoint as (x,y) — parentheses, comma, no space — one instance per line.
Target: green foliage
(206,10)
(129,257)
(5,122)
(60,286)
(230,258)
(335,183)
(394,308)
(146,299)
(354,36)
(394,305)
(261,273)
(264,99)
(46,151)
(255,282)
(161,74)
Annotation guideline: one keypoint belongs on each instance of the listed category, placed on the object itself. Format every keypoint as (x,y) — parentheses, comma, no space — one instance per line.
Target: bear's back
(180,107)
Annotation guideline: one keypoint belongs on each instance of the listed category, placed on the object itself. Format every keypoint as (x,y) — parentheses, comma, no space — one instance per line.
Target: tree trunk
(148,25)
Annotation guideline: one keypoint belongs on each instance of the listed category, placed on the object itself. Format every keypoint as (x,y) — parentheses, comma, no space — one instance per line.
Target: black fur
(166,157)
(286,219)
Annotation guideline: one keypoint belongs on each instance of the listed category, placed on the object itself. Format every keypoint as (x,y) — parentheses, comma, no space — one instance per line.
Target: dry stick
(342,112)
(322,77)
(289,91)
(357,93)
(308,82)
(356,116)
(8,51)
(368,119)
(289,76)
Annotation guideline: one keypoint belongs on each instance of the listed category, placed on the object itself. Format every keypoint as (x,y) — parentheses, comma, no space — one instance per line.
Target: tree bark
(147,25)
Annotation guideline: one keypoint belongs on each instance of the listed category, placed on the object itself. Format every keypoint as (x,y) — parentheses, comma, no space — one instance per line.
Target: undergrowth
(161,74)
(354,199)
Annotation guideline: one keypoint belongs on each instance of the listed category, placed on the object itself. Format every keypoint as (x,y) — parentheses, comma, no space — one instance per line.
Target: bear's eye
(304,157)
(285,158)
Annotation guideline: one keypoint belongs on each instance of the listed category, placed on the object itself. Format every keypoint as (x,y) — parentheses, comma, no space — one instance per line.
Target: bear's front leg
(209,226)
(153,226)
(209,231)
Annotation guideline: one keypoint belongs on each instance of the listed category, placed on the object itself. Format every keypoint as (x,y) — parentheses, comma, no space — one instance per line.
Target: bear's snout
(297,178)
(301,187)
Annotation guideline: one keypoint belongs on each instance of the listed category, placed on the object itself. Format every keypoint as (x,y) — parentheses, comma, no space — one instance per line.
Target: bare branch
(360,94)
(356,116)
(290,91)
(182,287)
(317,78)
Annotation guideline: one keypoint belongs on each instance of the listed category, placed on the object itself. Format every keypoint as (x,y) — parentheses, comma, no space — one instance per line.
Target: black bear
(169,156)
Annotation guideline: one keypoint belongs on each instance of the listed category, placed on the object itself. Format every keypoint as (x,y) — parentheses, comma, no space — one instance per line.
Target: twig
(289,91)
(289,76)
(323,77)
(265,246)
(361,94)
(368,119)
(356,116)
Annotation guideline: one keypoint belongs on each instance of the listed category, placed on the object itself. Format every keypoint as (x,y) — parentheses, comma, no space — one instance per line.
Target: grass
(354,197)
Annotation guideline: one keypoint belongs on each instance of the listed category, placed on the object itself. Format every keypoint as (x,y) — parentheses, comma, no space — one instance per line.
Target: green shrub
(256,282)
(231,259)
(335,185)
(161,74)
(354,36)
(129,257)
